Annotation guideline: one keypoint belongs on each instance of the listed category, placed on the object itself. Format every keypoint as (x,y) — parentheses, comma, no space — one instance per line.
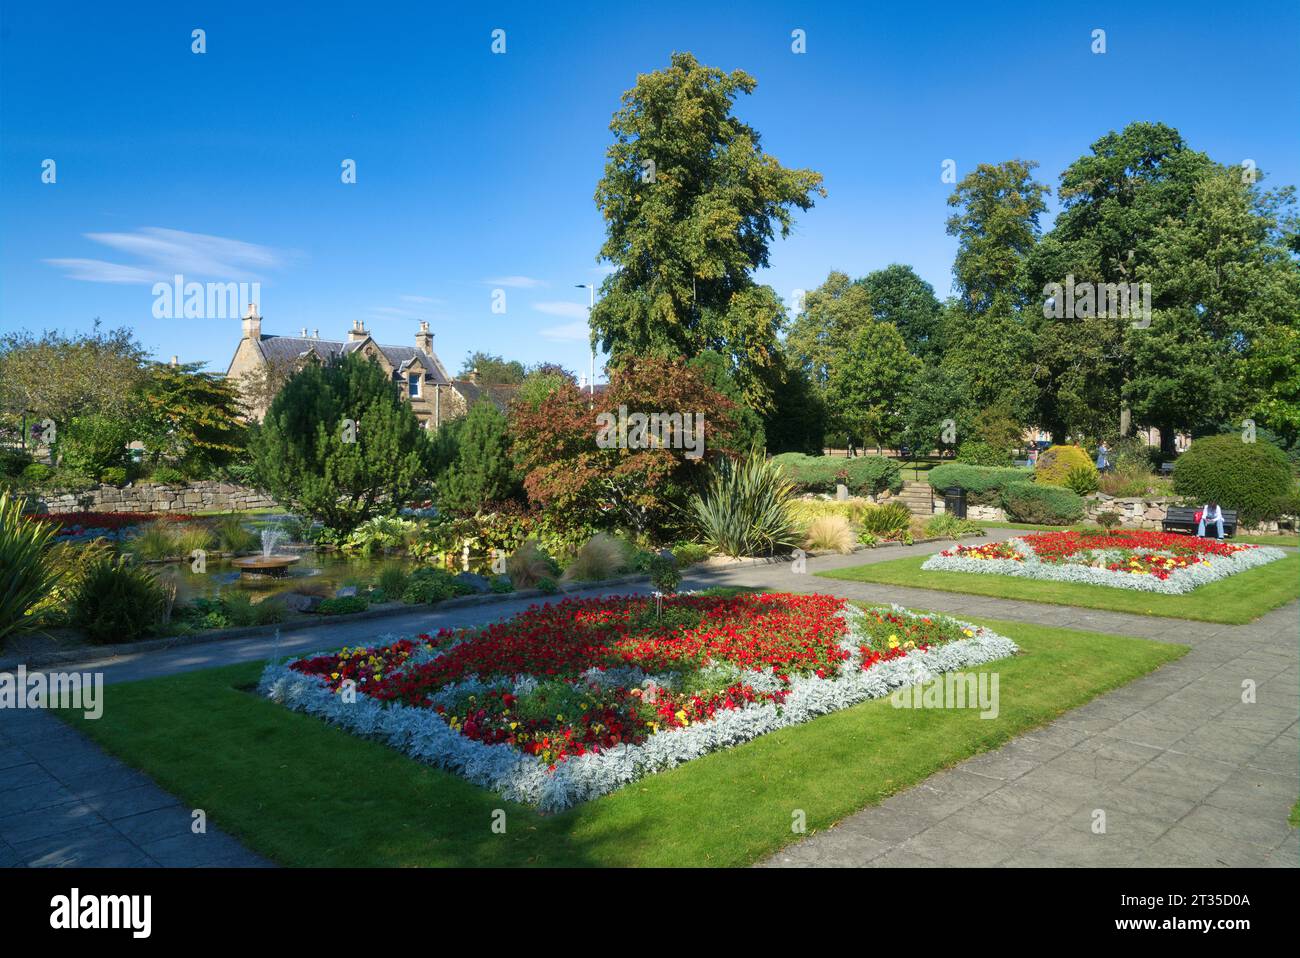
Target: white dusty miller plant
(425,736)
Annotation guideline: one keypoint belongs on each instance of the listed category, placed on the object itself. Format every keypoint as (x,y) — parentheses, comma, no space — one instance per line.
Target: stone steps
(918,497)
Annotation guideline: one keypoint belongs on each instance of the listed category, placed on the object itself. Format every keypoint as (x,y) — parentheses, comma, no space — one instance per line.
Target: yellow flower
(968,632)
(513,726)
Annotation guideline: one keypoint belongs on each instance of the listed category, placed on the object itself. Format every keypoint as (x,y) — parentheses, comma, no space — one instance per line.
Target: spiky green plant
(232,535)
(27,573)
(886,521)
(745,509)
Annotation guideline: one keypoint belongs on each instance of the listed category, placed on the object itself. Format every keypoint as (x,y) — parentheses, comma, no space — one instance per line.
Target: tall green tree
(59,376)
(493,370)
(189,418)
(831,317)
(747,433)
(996,225)
(897,295)
(691,203)
(797,420)
(340,444)
(868,382)
(482,471)
(1114,199)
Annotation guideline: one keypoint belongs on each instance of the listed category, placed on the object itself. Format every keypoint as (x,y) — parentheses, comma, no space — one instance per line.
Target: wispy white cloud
(166,252)
(418,299)
(568,333)
(99,271)
(561,308)
(515,282)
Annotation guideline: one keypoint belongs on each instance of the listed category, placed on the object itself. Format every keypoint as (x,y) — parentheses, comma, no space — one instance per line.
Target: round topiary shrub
(1054,465)
(1250,477)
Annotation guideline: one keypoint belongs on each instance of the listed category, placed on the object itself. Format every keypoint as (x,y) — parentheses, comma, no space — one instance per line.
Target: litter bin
(954,501)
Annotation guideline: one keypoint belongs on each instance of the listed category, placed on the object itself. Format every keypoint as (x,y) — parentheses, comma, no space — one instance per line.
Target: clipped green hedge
(1250,477)
(867,475)
(983,484)
(1040,503)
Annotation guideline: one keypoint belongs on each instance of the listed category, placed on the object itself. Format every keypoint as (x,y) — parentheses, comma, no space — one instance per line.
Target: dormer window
(413,385)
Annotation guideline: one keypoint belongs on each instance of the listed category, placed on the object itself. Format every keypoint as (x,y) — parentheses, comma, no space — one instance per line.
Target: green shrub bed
(865,475)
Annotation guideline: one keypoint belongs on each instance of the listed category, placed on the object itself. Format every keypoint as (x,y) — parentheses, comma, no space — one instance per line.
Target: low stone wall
(1135,513)
(149,497)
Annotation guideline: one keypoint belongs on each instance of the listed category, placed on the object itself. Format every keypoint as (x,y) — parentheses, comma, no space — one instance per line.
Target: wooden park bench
(1183,519)
(1167,468)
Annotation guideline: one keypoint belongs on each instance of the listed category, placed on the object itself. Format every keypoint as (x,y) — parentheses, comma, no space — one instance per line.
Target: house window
(413,385)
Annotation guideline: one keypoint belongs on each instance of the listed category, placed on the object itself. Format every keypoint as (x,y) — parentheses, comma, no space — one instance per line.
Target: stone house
(415,370)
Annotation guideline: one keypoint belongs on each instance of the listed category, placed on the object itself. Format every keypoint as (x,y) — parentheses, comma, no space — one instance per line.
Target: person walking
(1103,458)
(1210,512)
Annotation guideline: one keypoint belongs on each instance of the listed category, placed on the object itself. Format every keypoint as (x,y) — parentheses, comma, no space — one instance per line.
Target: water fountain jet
(268,565)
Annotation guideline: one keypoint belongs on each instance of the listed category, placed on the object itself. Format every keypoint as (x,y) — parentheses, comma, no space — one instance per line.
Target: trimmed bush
(865,475)
(1056,462)
(1250,477)
(977,452)
(36,472)
(983,484)
(343,605)
(1041,503)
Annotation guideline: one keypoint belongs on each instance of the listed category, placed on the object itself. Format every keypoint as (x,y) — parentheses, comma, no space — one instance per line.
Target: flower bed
(569,701)
(1143,560)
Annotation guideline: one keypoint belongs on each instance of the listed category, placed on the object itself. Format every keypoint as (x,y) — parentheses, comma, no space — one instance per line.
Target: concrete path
(1185,772)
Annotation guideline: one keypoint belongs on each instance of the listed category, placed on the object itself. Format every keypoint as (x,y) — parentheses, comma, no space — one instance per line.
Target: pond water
(322,573)
(318,573)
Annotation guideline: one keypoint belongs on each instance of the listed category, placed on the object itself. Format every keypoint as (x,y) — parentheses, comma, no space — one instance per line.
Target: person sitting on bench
(1210,512)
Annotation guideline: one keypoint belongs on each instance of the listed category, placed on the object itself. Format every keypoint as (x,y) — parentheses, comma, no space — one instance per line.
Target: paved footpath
(1185,772)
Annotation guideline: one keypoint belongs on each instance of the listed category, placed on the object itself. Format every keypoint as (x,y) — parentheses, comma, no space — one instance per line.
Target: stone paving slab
(66,802)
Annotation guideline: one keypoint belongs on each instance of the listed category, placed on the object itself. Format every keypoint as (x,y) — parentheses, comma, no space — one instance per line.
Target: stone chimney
(358,332)
(424,338)
(252,323)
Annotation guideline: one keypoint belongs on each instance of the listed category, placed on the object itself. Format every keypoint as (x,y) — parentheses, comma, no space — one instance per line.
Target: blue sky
(476,171)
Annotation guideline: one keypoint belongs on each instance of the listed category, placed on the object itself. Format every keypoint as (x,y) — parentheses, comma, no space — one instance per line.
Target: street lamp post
(591,288)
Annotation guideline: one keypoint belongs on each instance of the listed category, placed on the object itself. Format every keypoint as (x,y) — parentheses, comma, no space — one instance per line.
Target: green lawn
(304,793)
(1237,599)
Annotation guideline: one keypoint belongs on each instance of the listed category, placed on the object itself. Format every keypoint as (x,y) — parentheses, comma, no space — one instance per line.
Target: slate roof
(288,349)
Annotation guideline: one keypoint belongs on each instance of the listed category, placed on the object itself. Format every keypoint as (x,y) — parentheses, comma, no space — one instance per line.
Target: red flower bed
(1064,546)
(1135,551)
(556,644)
(104,520)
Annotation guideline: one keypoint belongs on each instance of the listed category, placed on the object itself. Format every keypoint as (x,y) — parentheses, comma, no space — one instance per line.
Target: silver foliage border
(1180,581)
(426,737)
